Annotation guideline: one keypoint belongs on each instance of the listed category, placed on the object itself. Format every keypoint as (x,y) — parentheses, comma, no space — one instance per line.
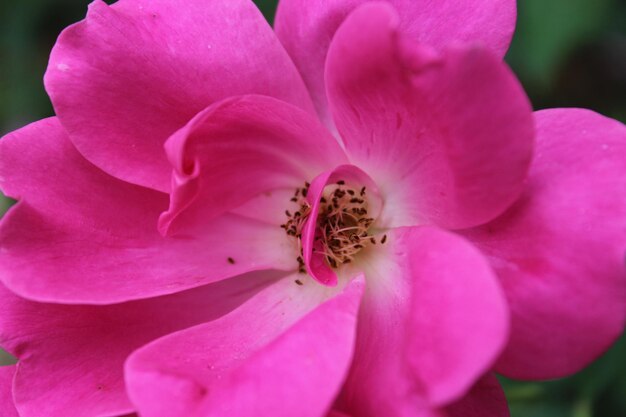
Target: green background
(567,53)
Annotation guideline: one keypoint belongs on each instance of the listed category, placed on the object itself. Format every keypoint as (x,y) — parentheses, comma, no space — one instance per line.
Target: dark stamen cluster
(342,224)
(296,220)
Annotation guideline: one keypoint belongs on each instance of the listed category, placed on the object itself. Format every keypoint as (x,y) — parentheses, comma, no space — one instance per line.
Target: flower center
(342,225)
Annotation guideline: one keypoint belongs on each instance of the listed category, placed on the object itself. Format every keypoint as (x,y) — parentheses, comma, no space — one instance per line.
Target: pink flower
(382,259)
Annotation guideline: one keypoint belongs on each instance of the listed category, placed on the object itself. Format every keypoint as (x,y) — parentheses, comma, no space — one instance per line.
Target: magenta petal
(559,251)
(447,136)
(240,148)
(335,413)
(7,406)
(314,260)
(433,321)
(307,27)
(79,235)
(280,354)
(485,399)
(131,74)
(457,286)
(71,357)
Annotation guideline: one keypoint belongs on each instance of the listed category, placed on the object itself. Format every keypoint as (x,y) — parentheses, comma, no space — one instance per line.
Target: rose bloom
(358,215)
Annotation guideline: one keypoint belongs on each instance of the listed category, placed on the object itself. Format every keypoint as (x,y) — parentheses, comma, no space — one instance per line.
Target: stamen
(342,224)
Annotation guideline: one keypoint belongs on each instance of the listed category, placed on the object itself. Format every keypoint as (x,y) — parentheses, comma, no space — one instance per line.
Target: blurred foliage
(567,53)
(572,53)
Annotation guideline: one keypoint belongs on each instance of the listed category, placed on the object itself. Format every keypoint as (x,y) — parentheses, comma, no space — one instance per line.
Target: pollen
(343,223)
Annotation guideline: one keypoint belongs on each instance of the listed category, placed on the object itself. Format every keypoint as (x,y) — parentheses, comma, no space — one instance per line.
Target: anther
(342,225)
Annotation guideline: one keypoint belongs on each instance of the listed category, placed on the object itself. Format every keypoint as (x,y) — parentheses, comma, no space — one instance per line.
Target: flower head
(378,250)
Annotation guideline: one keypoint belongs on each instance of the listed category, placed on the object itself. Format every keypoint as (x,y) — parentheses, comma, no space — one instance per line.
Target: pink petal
(432,322)
(81,236)
(269,207)
(131,74)
(7,406)
(71,357)
(335,413)
(280,354)
(485,399)
(307,27)
(240,148)
(314,260)
(559,251)
(447,136)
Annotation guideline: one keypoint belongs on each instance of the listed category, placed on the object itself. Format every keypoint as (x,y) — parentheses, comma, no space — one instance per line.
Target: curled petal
(314,259)
(79,235)
(240,148)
